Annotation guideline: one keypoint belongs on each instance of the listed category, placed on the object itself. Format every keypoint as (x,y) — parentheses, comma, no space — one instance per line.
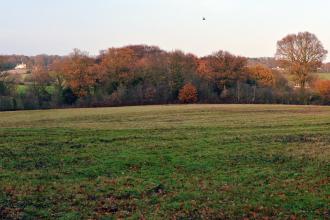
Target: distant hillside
(266,61)
(19,76)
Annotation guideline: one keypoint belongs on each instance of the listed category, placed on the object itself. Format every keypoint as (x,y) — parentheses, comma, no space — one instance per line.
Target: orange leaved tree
(262,75)
(188,94)
(81,73)
(323,88)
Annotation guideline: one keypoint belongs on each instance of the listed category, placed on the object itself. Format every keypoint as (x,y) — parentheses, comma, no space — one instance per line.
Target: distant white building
(297,86)
(278,69)
(20,66)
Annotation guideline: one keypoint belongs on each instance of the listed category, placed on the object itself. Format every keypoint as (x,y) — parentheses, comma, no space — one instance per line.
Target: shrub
(69,98)
(7,103)
(262,74)
(323,88)
(188,94)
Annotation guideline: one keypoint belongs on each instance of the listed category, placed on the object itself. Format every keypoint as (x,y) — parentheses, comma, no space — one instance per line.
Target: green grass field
(166,162)
(21,89)
(325,76)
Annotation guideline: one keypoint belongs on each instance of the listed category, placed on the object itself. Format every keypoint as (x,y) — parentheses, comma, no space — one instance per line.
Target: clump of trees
(140,74)
(322,87)
(301,54)
(188,94)
(7,100)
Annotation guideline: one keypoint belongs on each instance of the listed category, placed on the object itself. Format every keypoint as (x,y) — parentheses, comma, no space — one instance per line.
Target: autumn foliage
(223,68)
(142,74)
(323,88)
(81,74)
(188,94)
(262,74)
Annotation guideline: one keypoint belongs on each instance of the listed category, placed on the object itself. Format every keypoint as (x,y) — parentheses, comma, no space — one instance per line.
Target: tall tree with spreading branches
(301,54)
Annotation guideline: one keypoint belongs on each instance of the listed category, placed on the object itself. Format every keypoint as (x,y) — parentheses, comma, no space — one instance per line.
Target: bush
(68,97)
(7,103)
(188,94)
(323,88)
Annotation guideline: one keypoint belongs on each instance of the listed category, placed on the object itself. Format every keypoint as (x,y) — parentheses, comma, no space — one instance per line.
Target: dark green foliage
(69,98)
(7,103)
(3,88)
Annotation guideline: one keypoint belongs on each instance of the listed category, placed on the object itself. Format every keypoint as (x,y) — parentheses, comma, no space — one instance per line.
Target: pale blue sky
(243,27)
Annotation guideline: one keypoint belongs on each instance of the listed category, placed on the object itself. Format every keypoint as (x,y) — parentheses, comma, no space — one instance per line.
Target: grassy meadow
(324,76)
(166,162)
(21,89)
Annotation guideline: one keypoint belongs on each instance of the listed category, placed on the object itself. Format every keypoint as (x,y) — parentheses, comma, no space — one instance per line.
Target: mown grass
(325,76)
(163,162)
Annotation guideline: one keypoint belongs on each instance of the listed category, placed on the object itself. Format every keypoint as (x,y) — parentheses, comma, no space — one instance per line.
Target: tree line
(141,74)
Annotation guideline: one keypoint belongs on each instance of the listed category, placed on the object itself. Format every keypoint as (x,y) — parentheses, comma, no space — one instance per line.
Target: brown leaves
(262,74)
(118,61)
(323,88)
(80,72)
(115,206)
(188,94)
(223,68)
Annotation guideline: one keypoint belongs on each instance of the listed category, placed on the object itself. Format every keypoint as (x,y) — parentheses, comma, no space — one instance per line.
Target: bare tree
(301,54)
